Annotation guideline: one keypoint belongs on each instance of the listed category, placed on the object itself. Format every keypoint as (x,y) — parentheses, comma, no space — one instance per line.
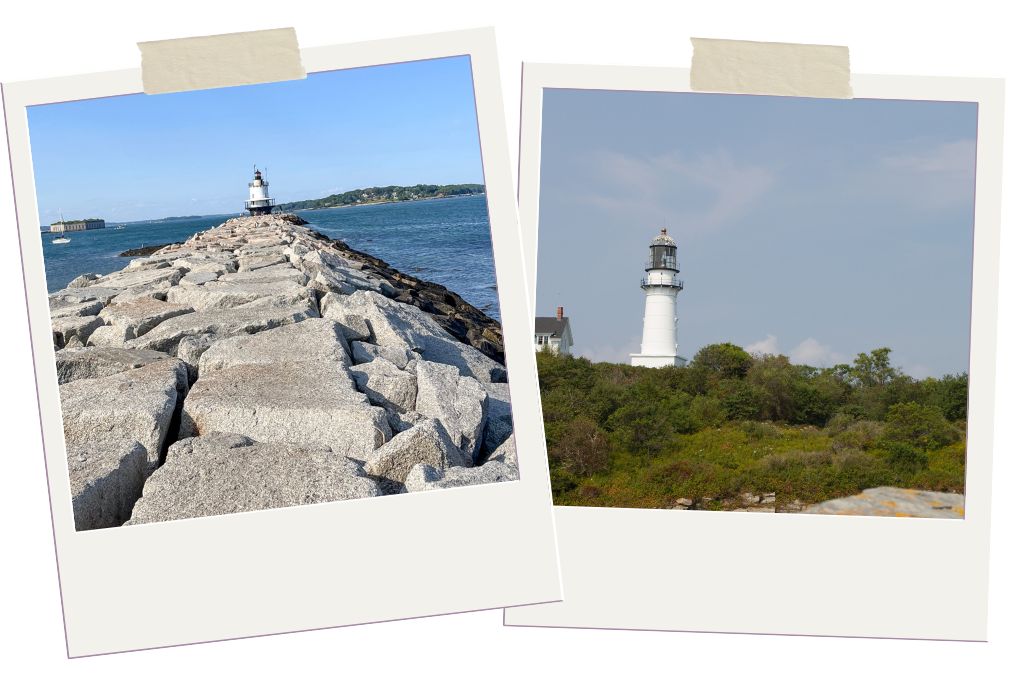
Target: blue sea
(447,241)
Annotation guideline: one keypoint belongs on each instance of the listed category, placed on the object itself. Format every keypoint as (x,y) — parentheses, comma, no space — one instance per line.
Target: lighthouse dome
(663,239)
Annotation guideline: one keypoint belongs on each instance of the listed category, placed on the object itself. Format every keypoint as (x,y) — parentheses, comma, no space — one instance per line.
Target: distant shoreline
(393,201)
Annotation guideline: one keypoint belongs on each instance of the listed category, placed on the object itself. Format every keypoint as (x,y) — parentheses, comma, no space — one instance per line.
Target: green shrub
(582,448)
(706,411)
(922,427)
(861,434)
(904,457)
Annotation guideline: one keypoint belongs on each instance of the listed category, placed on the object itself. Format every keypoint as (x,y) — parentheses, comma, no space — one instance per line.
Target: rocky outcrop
(261,365)
(888,501)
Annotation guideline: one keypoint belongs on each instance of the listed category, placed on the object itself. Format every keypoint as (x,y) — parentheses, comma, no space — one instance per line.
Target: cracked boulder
(221,474)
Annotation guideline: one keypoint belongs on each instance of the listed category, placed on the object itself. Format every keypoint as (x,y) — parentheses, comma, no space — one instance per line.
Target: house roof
(552,326)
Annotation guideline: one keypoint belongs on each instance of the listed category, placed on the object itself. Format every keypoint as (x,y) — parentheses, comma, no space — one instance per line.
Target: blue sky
(813,228)
(149,156)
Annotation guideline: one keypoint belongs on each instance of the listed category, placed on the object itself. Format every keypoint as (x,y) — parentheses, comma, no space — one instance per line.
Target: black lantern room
(663,253)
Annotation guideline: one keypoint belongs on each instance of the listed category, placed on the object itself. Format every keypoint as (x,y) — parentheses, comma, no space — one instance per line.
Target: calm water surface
(447,241)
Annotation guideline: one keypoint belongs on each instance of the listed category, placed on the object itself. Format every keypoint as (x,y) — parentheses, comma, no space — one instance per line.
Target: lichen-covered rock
(223,474)
(459,402)
(106,479)
(889,501)
(386,385)
(95,362)
(221,324)
(136,404)
(311,404)
(427,443)
(314,339)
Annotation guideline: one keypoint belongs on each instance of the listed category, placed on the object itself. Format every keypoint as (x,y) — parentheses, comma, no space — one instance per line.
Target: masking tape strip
(218,61)
(743,66)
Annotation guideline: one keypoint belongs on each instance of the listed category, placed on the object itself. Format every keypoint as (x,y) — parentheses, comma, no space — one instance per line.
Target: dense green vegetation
(730,424)
(378,195)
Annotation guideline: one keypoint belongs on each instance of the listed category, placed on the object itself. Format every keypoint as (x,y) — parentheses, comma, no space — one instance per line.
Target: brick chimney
(558,313)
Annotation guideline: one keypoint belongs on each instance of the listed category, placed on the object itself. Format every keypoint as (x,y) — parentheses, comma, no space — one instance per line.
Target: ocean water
(447,241)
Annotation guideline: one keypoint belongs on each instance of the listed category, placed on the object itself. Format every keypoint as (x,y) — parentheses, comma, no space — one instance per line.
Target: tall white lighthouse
(661,286)
(259,202)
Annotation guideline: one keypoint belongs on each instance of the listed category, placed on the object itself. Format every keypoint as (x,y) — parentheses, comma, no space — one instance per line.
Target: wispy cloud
(728,188)
(768,346)
(812,352)
(808,352)
(610,353)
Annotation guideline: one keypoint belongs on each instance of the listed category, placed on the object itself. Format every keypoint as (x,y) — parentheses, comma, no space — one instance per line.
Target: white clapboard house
(553,334)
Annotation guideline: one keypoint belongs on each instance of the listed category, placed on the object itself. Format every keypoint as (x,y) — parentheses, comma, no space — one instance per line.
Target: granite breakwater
(259,365)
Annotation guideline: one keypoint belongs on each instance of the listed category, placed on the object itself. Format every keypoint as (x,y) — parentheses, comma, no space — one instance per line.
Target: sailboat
(60,238)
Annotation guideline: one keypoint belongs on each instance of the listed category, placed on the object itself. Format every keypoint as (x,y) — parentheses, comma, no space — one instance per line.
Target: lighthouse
(661,286)
(259,202)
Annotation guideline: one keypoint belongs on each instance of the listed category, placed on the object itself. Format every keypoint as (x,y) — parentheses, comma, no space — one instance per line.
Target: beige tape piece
(218,61)
(743,66)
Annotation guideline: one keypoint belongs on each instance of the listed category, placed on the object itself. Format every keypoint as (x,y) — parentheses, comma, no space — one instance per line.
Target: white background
(934,38)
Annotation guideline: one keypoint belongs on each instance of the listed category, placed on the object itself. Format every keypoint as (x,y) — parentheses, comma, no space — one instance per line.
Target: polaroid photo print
(758,324)
(281,338)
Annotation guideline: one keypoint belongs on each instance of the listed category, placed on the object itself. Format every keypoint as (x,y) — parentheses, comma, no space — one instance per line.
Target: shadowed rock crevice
(260,364)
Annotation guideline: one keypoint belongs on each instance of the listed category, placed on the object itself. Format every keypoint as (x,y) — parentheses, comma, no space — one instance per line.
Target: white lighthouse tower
(259,202)
(662,285)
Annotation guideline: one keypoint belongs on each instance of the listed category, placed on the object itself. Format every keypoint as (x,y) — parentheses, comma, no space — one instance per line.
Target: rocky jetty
(882,501)
(260,365)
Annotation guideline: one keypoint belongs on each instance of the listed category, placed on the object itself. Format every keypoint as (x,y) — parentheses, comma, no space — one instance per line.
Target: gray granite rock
(258,261)
(398,324)
(426,442)
(223,474)
(136,404)
(78,310)
(314,339)
(84,280)
(106,479)
(220,324)
(459,402)
(506,453)
(156,277)
(355,326)
(72,326)
(81,295)
(311,404)
(198,277)
(424,477)
(386,385)
(137,317)
(499,417)
(363,352)
(276,273)
(95,362)
(220,294)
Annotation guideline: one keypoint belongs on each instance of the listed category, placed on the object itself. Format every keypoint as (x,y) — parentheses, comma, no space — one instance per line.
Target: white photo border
(772,573)
(313,566)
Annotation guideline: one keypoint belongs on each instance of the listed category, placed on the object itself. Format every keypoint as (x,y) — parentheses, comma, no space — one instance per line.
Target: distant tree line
(389,193)
(730,421)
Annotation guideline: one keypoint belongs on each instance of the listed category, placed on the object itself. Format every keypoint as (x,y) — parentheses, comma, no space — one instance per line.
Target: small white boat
(60,238)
